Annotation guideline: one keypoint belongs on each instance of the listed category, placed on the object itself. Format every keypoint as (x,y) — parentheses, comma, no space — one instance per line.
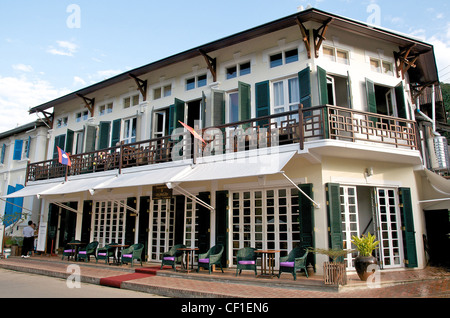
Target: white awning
(78,185)
(244,166)
(144,177)
(31,190)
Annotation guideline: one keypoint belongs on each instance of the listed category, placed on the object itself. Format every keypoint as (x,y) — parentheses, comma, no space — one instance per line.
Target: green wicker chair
(86,252)
(212,257)
(106,252)
(173,256)
(246,260)
(69,250)
(295,261)
(134,252)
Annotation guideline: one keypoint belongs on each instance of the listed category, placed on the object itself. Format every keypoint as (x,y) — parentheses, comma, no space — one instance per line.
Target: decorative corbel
(88,103)
(305,35)
(141,84)
(403,62)
(211,62)
(319,36)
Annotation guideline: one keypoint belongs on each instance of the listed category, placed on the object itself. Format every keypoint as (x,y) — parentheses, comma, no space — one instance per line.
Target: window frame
(284,60)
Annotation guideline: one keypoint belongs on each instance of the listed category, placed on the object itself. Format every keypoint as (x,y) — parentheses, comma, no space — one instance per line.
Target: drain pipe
(433,110)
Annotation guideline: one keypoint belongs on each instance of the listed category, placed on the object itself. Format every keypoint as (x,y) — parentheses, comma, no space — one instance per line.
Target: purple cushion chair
(295,261)
(134,252)
(173,256)
(85,253)
(69,250)
(246,260)
(212,257)
(104,253)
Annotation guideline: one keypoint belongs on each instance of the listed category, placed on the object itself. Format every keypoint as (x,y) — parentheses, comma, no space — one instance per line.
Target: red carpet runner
(116,281)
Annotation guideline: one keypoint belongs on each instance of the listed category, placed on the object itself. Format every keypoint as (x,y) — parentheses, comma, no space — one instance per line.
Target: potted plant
(365,245)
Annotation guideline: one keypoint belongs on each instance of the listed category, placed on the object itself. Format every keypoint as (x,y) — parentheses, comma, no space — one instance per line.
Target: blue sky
(52,47)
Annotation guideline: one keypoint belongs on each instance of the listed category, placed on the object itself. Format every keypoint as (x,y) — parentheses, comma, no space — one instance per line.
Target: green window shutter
(400,101)
(306,219)
(59,142)
(69,143)
(171,118)
(218,107)
(203,110)
(409,238)
(370,93)
(178,113)
(105,127)
(304,81)
(115,134)
(2,159)
(323,89)
(334,216)
(244,101)
(18,144)
(262,101)
(91,134)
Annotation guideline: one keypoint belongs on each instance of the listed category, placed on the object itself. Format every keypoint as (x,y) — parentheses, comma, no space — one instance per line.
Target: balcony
(294,127)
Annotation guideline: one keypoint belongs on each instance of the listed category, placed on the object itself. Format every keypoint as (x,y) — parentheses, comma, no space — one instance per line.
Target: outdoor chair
(86,252)
(246,260)
(69,250)
(106,252)
(173,256)
(134,252)
(212,257)
(296,260)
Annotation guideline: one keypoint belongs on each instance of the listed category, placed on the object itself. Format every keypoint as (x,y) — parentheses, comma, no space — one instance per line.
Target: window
(129,130)
(196,82)
(81,116)
(131,101)
(240,69)
(234,107)
(62,122)
(335,55)
(106,109)
(286,95)
(285,57)
(164,91)
(381,66)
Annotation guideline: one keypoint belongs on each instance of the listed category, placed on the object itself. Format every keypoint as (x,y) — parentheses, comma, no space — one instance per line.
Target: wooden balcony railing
(299,126)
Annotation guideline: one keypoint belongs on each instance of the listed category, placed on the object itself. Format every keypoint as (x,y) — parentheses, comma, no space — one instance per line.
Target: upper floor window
(238,70)
(131,101)
(61,122)
(129,130)
(81,116)
(196,82)
(335,55)
(284,57)
(381,66)
(164,91)
(106,109)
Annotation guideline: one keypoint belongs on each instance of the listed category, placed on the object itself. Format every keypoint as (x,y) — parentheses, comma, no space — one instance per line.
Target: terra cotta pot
(361,264)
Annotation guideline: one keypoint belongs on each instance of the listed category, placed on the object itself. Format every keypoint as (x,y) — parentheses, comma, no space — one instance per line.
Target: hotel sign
(161,192)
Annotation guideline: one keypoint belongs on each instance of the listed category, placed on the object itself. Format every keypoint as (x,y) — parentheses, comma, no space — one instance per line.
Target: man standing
(28,239)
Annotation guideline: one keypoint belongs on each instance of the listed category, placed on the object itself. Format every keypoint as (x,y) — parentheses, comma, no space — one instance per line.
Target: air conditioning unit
(442,160)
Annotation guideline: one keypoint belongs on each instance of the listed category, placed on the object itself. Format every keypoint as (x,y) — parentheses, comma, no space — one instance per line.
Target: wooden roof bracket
(319,36)
(403,62)
(49,118)
(88,103)
(305,36)
(141,84)
(212,64)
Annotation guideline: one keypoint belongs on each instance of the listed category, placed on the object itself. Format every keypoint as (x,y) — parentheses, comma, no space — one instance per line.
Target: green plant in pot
(365,245)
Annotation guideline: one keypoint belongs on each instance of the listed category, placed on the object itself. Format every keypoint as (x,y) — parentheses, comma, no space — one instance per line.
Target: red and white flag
(193,132)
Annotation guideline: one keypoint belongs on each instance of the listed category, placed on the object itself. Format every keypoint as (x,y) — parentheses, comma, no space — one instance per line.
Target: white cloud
(78,81)
(65,48)
(22,67)
(18,94)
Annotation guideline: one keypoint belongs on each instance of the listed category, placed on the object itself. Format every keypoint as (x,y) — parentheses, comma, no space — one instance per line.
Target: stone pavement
(431,282)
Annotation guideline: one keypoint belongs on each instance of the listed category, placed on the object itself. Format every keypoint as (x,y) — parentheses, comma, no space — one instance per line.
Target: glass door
(391,251)
(162,227)
(350,220)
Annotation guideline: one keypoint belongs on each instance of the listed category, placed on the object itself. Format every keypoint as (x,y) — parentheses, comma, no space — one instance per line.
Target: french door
(265,219)
(162,227)
(350,220)
(109,222)
(389,228)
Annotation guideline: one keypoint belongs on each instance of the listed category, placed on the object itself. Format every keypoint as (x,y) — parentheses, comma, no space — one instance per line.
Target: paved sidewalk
(430,282)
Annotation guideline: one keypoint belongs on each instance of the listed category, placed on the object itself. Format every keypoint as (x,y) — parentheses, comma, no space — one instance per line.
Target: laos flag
(63,157)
